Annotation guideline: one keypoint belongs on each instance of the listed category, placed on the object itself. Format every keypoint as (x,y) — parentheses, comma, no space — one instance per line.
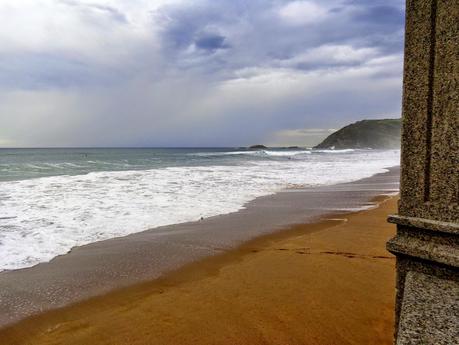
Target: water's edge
(43,217)
(99,267)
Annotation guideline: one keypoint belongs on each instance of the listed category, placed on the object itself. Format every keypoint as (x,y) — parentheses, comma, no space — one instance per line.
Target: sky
(194,73)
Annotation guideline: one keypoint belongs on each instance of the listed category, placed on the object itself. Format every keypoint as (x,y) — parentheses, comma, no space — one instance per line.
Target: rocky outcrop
(257,147)
(373,134)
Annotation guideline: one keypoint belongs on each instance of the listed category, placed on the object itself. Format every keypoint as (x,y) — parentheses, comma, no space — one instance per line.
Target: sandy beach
(331,282)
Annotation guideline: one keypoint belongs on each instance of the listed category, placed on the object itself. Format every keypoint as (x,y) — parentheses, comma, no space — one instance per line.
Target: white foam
(334,151)
(274,153)
(286,153)
(45,217)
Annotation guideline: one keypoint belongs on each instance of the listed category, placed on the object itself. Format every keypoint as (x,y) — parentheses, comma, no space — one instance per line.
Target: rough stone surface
(427,240)
(430,141)
(426,244)
(422,223)
(426,313)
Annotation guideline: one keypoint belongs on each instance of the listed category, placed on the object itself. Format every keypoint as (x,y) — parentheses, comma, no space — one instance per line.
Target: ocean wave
(261,153)
(333,151)
(35,166)
(47,216)
(286,153)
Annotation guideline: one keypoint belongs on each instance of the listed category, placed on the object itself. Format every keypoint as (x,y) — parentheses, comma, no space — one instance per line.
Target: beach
(326,283)
(285,270)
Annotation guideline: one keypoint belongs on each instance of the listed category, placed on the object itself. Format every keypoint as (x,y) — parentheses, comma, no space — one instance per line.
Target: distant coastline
(365,134)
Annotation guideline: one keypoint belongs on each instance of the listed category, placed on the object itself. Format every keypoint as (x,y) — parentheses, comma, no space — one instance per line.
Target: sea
(52,200)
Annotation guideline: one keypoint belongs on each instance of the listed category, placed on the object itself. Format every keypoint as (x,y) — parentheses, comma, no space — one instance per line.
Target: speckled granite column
(427,240)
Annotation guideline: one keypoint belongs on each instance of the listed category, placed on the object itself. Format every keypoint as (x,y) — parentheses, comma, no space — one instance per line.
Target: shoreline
(101,267)
(162,306)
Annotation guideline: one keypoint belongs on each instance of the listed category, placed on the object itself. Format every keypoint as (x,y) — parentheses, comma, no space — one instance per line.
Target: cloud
(330,55)
(98,9)
(305,137)
(193,73)
(302,12)
(380,15)
(211,42)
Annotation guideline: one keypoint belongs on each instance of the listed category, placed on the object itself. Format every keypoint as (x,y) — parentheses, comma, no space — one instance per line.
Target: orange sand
(327,283)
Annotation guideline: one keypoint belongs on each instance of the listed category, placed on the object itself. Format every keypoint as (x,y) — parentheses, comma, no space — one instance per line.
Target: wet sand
(104,266)
(330,282)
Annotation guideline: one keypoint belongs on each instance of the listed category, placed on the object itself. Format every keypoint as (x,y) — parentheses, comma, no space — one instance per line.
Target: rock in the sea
(257,147)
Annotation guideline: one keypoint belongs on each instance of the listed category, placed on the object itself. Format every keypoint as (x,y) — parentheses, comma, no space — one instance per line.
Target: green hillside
(374,134)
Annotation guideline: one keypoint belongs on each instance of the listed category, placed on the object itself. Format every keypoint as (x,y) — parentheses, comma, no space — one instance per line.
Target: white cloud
(333,55)
(94,30)
(302,12)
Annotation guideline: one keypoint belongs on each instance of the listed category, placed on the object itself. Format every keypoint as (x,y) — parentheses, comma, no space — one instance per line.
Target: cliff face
(374,134)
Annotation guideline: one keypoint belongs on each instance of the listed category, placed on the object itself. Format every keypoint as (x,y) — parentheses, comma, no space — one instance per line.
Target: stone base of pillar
(427,305)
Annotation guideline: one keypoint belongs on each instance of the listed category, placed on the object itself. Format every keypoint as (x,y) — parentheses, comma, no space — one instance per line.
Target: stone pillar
(427,240)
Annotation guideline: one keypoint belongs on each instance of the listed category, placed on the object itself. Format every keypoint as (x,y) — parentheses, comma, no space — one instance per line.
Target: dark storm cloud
(211,42)
(157,73)
(387,16)
(259,37)
(257,34)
